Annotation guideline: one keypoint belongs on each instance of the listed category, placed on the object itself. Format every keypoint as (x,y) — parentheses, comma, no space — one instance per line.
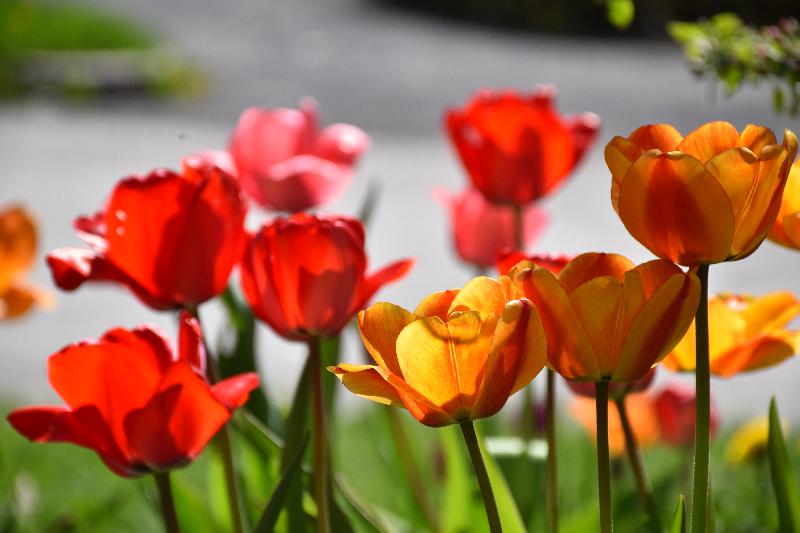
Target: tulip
(172,239)
(675,406)
(285,163)
(750,441)
(553,262)
(786,230)
(457,357)
(481,230)
(746,333)
(516,147)
(606,319)
(17,251)
(134,401)
(305,275)
(616,390)
(709,197)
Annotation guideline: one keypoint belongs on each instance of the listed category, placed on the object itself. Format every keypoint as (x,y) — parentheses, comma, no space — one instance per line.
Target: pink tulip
(286,164)
(481,230)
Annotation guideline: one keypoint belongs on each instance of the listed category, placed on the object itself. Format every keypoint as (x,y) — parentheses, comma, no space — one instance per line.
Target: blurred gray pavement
(392,73)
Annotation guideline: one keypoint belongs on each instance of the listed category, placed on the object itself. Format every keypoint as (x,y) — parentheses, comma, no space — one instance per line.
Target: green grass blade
(784,482)
(679,519)
(273,509)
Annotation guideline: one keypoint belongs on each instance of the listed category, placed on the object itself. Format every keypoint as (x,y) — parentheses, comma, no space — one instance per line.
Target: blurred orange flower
(709,197)
(606,318)
(641,411)
(18,241)
(745,333)
(786,230)
(457,357)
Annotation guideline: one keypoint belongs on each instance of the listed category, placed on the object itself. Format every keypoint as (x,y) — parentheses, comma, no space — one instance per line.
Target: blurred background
(94,91)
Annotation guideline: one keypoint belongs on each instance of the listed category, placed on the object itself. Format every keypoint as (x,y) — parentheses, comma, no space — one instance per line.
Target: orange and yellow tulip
(709,197)
(606,318)
(745,333)
(786,230)
(17,250)
(457,357)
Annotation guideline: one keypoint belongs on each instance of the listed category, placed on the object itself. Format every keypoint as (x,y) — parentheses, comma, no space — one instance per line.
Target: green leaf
(620,13)
(457,496)
(193,511)
(273,509)
(510,516)
(296,429)
(787,495)
(679,519)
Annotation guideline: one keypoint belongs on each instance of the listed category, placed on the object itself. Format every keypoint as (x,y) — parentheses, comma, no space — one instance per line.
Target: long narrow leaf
(510,516)
(296,429)
(784,482)
(679,519)
(273,509)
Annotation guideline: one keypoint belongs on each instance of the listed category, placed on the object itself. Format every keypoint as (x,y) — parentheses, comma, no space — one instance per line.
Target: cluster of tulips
(596,319)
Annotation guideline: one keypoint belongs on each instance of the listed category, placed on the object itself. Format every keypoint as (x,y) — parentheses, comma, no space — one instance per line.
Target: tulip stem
(322,460)
(603,461)
(552,458)
(167,502)
(637,465)
(224,447)
(702,437)
(475,453)
(410,467)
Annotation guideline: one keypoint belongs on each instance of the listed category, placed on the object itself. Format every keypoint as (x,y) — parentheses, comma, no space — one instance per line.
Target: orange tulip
(457,357)
(709,197)
(786,230)
(17,251)
(643,416)
(606,318)
(745,333)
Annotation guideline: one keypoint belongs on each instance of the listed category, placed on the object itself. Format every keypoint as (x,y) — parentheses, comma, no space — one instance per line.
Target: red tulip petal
(235,391)
(341,143)
(304,181)
(191,347)
(373,282)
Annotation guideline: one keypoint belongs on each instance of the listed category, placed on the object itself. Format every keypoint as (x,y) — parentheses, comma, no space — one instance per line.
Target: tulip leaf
(457,497)
(678,524)
(510,516)
(273,509)
(296,428)
(784,482)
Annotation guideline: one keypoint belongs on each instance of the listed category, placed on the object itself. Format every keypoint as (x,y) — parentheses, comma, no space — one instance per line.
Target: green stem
(322,460)
(468,430)
(410,468)
(167,502)
(637,465)
(225,449)
(603,462)
(702,442)
(552,457)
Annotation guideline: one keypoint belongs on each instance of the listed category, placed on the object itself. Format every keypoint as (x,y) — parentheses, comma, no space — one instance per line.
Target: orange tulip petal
(756,138)
(592,265)
(379,327)
(770,312)
(663,137)
(620,153)
(367,382)
(471,338)
(436,304)
(598,305)
(16,301)
(17,244)
(762,352)
(480,294)
(673,206)
(709,140)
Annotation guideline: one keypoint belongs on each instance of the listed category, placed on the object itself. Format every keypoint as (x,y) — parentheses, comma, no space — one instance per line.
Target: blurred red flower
(675,406)
(285,163)
(171,238)
(305,275)
(134,401)
(516,147)
(482,229)
(553,262)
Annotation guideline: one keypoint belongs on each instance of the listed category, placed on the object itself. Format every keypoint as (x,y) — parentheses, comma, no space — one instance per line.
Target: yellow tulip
(745,333)
(457,357)
(709,197)
(786,230)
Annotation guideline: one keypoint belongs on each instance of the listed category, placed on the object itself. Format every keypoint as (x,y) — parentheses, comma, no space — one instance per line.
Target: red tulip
(675,406)
(134,401)
(305,275)
(482,229)
(171,238)
(553,262)
(284,163)
(516,147)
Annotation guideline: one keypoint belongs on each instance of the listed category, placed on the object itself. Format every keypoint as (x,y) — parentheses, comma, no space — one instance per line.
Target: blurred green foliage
(60,488)
(726,49)
(80,51)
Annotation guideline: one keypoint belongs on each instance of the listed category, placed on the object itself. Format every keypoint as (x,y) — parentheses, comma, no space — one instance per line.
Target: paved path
(391,73)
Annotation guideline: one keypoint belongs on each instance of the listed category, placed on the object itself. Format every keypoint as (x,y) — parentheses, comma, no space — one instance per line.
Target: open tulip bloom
(171,238)
(456,358)
(142,407)
(786,230)
(18,241)
(285,163)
